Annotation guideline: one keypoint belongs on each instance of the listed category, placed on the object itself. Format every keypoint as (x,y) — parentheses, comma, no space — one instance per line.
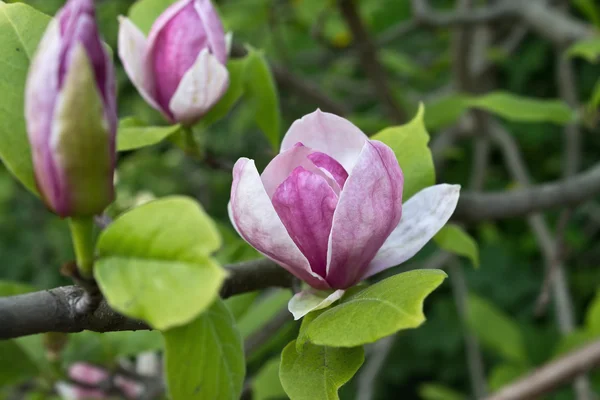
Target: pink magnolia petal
(423,215)
(368,211)
(87,374)
(130,388)
(213,28)
(257,222)
(285,162)
(164,18)
(330,167)
(305,204)
(40,97)
(173,49)
(132,52)
(68,391)
(201,87)
(328,133)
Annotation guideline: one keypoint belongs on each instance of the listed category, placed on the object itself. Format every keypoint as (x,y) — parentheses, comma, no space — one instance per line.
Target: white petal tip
(311,300)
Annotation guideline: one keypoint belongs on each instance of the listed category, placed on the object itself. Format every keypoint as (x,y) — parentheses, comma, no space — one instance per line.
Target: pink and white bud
(329,207)
(180,69)
(71,115)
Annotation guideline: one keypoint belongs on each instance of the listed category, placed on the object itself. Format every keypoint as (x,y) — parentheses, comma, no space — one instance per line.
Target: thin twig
(553,375)
(370,60)
(561,295)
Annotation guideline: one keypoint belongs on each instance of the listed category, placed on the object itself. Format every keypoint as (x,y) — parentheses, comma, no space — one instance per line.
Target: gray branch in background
(473,207)
(553,375)
(369,60)
(542,18)
(553,265)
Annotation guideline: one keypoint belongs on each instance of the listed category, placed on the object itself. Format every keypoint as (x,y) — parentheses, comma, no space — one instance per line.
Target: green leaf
(240,304)
(266,384)
(155,262)
(237,70)
(263,310)
(143,13)
(435,391)
(16,366)
(575,340)
(388,306)
(445,111)
(448,110)
(132,134)
(454,239)
(496,330)
(105,348)
(592,316)
(205,358)
(21,28)
(504,374)
(409,143)
(8,288)
(588,49)
(590,10)
(261,93)
(317,372)
(524,109)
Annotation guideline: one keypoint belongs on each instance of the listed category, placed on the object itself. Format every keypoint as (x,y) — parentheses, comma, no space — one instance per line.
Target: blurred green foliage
(309,38)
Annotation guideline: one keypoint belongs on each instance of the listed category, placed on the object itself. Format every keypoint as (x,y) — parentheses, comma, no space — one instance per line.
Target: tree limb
(55,310)
(474,207)
(552,375)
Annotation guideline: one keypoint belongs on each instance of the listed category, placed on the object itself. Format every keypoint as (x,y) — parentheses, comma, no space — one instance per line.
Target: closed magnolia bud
(70,109)
(180,68)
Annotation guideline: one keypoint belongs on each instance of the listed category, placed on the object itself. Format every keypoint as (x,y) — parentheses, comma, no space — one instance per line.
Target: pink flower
(96,380)
(180,69)
(329,207)
(71,114)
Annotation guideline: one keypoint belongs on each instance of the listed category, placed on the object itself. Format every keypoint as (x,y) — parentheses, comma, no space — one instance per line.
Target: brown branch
(369,60)
(55,310)
(300,86)
(553,375)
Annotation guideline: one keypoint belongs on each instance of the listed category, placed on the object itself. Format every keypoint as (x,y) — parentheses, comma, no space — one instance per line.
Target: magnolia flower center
(306,201)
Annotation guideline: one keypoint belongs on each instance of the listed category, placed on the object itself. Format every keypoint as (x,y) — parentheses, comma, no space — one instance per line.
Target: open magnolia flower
(329,208)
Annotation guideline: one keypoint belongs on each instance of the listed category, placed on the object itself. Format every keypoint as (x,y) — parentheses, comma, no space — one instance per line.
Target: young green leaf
(133,134)
(21,28)
(588,49)
(16,366)
(394,304)
(262,94)
(266,384)
(496,330)
(155,262)
(524,109)
(409,143)
(317,372)
(205,358)
(8,288)
(454,239)
(262,311)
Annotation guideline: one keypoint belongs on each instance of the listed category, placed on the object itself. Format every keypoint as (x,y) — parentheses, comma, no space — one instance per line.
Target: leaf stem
(82,234)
